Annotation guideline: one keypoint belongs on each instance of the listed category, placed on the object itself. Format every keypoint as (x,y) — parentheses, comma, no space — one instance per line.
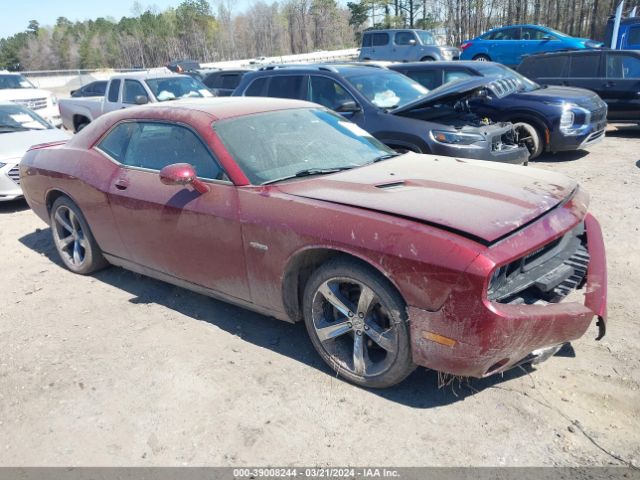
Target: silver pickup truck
(127,90)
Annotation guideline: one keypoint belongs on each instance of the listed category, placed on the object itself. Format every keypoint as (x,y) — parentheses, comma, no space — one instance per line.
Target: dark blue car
(548,119)
(507,45)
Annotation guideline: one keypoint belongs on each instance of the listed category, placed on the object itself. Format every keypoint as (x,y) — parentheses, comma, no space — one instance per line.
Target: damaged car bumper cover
(477,338)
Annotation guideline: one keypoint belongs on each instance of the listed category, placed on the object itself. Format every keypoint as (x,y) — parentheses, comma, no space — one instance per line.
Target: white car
(16,88)
(20,128)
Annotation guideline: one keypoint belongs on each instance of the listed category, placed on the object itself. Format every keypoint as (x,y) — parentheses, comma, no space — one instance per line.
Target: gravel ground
(119,369)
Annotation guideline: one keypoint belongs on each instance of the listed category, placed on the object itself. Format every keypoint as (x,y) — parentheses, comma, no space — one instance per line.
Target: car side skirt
(178,282)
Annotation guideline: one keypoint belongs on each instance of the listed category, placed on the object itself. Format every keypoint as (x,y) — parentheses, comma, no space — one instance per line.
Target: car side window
(507,34)
(154,145)
(132,89)
(380,39)
(584,66)
(114,90)
(453,75)
(212,81)
(230,80)
(427,78)
(634,35)
(553,66)
(115,142)
(257,88)
(366,40)
(529,33)
(623,66)
(327,92)
(285,86)
(404,38)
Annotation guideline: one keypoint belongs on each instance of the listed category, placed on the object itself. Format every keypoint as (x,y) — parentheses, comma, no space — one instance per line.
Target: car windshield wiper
(386,156)
(310,171)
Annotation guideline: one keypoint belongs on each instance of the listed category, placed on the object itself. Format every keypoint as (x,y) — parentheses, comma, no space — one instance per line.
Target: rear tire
(427,59)
(482,58)
(73,239)
(529,134)
(358,323)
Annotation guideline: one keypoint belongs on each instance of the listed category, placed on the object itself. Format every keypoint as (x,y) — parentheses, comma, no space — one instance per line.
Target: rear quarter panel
(82,175)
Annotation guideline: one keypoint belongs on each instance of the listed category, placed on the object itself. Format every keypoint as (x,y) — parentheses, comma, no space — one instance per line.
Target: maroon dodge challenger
(286,208)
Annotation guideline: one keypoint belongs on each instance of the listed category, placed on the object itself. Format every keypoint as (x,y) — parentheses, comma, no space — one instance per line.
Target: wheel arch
(79,118)
(52,195)
(535,120)
(304,262)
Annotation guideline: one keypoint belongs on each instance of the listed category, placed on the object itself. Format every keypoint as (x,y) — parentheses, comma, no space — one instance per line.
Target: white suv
(17,89)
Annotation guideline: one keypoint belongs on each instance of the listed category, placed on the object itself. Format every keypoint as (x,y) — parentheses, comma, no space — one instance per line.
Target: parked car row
(319,205)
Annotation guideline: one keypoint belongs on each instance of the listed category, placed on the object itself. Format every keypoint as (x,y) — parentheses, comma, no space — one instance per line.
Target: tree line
(151,38)
(459,20)
(194,29)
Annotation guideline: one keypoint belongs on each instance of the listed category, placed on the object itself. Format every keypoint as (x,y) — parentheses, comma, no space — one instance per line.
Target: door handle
(609,84)
(122,184)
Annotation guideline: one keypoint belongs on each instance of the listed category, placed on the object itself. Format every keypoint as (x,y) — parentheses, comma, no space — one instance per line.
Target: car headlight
(574,119)
(456,138)
(2,164)
(54,100)
(566,120)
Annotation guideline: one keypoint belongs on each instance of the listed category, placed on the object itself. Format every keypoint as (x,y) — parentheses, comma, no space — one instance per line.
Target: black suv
(393,108)
(612,74)
(549,119)
(222,83)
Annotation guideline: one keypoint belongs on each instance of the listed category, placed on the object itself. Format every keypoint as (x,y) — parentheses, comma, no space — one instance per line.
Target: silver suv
(404,46)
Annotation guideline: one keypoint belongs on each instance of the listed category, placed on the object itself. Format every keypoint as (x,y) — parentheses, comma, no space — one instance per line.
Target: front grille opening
(546,275)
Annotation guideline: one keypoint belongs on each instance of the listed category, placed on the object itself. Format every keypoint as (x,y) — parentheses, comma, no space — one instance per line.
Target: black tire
(531,137)
(482,58)
(379,333)
(427,59)
(73,239)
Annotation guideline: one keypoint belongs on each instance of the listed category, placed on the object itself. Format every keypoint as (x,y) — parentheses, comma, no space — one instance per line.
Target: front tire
(427,59)
(358,324)
(482,58)
(73,239)
(529,135)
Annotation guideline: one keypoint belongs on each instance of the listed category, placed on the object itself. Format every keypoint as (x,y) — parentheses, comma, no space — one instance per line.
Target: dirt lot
(118,369)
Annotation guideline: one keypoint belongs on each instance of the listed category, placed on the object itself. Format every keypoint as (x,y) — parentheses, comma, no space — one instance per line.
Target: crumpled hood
(484,200)
(447,92)
(14,145)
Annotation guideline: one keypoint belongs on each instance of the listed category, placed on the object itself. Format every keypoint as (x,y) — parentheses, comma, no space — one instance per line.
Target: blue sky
(16,14)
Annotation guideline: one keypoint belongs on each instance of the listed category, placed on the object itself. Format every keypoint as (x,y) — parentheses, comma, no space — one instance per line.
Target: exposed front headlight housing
(566,120)
(456,138)
(574,119)
(497,279)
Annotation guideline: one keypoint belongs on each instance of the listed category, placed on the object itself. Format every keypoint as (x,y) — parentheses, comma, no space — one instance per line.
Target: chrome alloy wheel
(354,327)
(69,236)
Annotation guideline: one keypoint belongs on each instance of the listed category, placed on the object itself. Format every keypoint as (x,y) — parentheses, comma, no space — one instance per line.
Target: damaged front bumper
(477,338)
(500,145)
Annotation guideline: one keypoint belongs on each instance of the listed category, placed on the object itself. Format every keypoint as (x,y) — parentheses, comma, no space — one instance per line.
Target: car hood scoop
(483,200)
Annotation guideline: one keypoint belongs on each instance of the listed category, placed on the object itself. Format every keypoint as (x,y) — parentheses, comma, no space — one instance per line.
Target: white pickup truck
(127,90)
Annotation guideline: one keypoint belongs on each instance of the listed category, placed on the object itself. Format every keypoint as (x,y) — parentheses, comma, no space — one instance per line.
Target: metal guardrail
(58,73)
